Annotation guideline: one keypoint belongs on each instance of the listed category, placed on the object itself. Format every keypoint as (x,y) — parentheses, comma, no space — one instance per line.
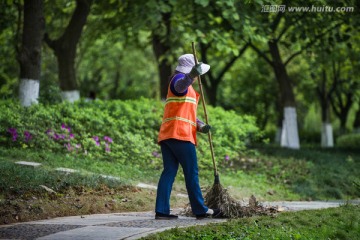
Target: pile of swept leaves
(218,197)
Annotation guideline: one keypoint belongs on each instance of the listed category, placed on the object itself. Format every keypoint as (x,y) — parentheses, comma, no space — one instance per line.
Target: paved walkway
(124,225)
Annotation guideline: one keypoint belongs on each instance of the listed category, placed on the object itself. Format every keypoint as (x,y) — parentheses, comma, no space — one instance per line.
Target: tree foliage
(126,47)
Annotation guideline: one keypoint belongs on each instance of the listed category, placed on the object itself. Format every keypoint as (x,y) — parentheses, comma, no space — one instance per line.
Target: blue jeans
(175,152)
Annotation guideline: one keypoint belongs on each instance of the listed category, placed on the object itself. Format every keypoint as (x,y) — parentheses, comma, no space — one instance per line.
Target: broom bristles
(217,197)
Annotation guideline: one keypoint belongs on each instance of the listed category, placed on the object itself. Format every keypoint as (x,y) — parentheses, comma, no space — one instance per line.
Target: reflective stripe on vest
(179,119)
(181,99)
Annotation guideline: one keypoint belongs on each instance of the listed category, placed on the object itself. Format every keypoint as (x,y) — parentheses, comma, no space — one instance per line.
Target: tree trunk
(211,91)
(356,125)
(342,98)
(67,75)
(279,121)
(341,107)
(289,135)
(343,120)
(30,54)
(161,47)
(278,132)
(327,139)
(65,50)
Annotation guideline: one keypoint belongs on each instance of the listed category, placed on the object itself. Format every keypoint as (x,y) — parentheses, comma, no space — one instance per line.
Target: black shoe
(161,216)
(217,214)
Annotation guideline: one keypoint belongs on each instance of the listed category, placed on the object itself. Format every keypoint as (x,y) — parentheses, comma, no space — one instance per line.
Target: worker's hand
(204,129)
(195,71)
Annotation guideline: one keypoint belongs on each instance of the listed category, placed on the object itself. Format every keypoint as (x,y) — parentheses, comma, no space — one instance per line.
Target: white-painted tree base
(29,92)
(70,96)
(289,133)
(327,139)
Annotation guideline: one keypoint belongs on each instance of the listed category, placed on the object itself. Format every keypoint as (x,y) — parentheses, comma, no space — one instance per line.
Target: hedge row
(116,130)
(349,141)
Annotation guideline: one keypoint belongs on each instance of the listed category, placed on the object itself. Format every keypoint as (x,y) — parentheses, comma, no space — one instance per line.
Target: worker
(177,138)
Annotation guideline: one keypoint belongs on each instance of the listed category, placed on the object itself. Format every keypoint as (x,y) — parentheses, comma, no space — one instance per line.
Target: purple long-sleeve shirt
(180,84)
(179,87)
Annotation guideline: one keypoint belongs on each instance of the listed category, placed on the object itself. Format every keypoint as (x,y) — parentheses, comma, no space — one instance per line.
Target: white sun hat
(186,63)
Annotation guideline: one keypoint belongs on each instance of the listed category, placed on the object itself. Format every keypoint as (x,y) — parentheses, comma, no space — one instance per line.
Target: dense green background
(116,59)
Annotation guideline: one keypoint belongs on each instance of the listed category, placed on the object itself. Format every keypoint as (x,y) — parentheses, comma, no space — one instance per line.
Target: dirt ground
(36,206)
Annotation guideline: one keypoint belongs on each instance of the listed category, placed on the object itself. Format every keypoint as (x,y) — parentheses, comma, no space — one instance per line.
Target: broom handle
(206,116)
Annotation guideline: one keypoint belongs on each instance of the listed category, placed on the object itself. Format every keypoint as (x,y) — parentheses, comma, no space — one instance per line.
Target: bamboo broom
(217,197)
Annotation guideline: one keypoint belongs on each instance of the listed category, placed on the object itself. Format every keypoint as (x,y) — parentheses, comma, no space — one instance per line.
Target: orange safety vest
(179,120)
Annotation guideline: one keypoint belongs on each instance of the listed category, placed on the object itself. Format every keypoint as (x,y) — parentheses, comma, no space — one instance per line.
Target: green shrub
(351,141)
(231,134)
(124,131)
(310,137)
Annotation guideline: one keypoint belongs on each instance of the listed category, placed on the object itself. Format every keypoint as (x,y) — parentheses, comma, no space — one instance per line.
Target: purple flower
(28,136)
(50,133)
(108,139)
(227,158)
(68,146)
(13,133)
(71,135)
(12,130)
(155,154)
(107,147)
(96,139)
(78,145)
(63,126)
(56,136)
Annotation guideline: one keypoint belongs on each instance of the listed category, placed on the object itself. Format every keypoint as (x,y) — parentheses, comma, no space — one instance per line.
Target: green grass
(242,185)
(86,165)
(333,223)
(268,173)
(19,180)
(83,192)
(317,174)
